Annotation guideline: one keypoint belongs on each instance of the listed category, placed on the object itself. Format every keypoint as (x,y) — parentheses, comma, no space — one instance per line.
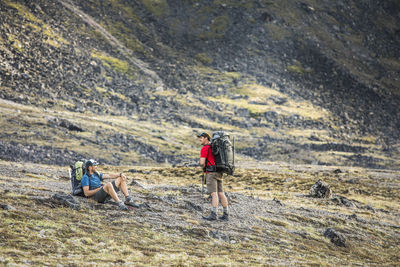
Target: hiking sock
(122,206)
(225,215)
(128,198)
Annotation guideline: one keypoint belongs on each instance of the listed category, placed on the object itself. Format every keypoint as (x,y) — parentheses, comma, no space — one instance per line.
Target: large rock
(335,237)
(66,200)
(320,190)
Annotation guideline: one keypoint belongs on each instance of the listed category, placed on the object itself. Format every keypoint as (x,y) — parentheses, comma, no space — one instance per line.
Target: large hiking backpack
(224,152)
(76,173)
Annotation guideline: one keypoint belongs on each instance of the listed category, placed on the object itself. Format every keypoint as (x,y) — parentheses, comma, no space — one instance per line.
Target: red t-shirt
(206,150)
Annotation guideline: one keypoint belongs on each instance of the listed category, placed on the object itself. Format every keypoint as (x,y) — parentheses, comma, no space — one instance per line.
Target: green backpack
(76,172)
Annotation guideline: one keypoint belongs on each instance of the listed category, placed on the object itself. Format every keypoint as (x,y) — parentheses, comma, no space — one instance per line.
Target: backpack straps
(208,151)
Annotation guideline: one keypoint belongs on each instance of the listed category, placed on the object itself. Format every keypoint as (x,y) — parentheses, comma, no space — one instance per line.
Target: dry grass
(36,233)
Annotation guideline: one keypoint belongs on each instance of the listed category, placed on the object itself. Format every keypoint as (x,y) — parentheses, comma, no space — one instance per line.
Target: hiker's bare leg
(215,199)
(109,188)
(224,200)
(120,182)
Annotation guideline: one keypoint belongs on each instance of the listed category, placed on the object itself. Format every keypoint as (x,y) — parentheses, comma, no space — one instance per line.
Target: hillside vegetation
(133,82)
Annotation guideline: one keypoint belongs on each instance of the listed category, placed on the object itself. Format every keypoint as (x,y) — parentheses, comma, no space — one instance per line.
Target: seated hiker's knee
(118,181)
(108,186)
(122,178)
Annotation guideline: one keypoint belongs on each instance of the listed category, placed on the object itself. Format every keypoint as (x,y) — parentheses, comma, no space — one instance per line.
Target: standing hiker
(213,179)
(92,186)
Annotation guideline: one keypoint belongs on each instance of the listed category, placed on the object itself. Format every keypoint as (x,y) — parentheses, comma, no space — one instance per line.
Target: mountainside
(132,82)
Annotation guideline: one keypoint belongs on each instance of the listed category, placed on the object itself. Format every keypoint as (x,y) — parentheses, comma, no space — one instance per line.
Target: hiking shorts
(214,182)
(102,195)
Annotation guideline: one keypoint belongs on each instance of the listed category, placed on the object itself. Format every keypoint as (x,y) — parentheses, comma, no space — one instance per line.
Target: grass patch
(297,68)
(203,58)
(15,43)
(23,11)
(110,93)
(157,7)
(55,39)
(218,28)
(39,177)
(260,99)
(277,32)
(111,62)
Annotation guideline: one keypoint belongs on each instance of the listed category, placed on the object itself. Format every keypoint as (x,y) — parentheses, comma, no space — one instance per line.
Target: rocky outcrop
(335,237)
(321,190)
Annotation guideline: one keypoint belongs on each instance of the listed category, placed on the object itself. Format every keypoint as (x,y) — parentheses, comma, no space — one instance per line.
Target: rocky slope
(132,82)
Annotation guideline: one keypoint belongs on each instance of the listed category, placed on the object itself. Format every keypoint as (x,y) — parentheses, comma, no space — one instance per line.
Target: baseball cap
(204,134)
(91,162)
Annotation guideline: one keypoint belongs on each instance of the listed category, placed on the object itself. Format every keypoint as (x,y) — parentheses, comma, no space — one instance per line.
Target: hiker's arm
(89,193)
(203,162)
(113,175)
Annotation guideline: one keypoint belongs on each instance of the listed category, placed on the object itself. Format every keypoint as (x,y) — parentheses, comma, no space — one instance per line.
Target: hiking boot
(122,206)
(129,201)
(224,217)
(211,217)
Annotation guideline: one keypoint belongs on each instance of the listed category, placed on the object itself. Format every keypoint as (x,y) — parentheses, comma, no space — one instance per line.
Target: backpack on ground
(76,173)
(224,152)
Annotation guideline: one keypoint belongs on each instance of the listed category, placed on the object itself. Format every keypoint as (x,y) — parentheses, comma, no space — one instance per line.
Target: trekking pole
(202,194)
(231,207)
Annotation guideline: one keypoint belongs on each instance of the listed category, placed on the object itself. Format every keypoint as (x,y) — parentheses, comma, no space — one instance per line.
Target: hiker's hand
(122,176)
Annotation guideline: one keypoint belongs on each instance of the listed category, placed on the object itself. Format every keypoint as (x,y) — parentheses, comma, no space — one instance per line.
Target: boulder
(335,237)
(66,200)
(320,190)
(70,126)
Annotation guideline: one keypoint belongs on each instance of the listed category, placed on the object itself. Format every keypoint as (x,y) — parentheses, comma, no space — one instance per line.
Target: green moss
(23,11)
(26,14)
(56,38)
(277,32)
(224,78)
(108,93)
(112,62)
(125,35)
(203,58)
(218,28)
(157,7)
(34,27)
(296,69)
(15,43)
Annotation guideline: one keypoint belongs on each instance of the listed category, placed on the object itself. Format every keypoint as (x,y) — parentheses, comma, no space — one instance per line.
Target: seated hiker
(92,187)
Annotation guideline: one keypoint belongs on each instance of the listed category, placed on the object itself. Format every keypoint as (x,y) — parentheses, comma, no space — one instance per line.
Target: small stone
(277,201)
(6,207)
(337,171)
